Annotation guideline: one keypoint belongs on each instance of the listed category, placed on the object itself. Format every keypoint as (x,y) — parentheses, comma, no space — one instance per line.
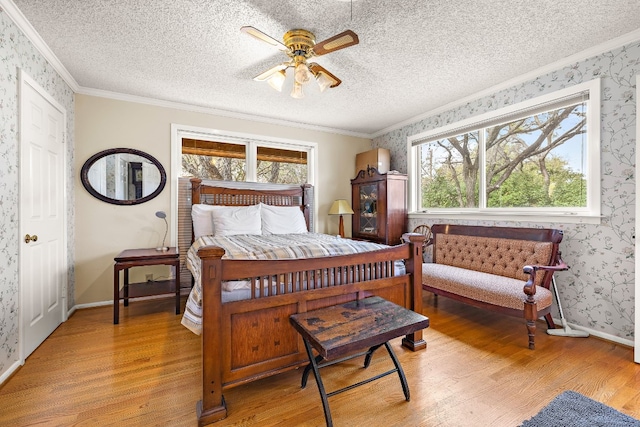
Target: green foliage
(570,190)
(526,187)
(523,188)
(439,192)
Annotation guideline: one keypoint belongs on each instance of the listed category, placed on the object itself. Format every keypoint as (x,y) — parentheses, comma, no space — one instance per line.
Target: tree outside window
(228,162)
(536,161)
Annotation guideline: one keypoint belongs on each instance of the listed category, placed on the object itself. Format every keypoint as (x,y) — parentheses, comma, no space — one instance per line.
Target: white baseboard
(71,311)
(92,304)
(599,334)
(10,371)
(110,302)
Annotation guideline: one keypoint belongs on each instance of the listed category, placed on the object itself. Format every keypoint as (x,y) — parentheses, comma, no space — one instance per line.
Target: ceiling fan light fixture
(276,81)
(297,90)
(300,46)
(324,81)
(302,73)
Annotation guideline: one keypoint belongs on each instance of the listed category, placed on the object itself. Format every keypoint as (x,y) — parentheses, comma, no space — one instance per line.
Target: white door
(43,269)
(637,257)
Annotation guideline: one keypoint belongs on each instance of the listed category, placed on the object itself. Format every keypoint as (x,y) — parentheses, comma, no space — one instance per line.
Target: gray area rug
(571,409)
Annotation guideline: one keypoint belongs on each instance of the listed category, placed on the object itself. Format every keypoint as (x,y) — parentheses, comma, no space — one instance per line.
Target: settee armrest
(530,286)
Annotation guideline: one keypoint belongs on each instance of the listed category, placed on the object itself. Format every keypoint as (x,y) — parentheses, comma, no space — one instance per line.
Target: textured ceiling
(414,55)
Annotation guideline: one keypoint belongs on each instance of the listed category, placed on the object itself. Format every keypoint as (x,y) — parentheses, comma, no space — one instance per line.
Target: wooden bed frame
(243,341)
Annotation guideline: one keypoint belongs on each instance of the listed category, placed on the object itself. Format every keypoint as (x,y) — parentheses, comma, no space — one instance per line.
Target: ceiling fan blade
(254,32)
(264,76)
(337,42)
(316,68)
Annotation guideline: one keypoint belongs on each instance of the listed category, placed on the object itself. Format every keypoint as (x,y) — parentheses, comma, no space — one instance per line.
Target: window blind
(238,151)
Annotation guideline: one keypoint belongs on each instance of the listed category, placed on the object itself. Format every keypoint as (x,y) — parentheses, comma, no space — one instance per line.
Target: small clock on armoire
(379,204)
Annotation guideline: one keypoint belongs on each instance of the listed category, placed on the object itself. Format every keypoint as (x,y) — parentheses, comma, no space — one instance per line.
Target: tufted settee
(503,269)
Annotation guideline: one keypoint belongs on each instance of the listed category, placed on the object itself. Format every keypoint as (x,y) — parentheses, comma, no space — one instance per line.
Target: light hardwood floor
(476,371)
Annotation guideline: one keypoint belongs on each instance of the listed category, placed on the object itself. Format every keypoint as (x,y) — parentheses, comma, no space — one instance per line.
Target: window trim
(590,214)
(179,131)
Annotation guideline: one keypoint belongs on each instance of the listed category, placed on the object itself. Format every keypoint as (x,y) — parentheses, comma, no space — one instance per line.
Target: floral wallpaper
(17,52)
(598,291)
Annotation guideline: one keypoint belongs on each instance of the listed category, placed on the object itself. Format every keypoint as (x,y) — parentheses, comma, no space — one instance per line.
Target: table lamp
(163,215)
(341,207)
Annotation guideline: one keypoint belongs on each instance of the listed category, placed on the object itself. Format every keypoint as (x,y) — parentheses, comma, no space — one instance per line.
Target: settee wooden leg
(550,323)
(531,329)
(530,315)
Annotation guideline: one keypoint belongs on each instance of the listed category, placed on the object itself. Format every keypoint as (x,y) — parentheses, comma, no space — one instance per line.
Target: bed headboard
(269,194)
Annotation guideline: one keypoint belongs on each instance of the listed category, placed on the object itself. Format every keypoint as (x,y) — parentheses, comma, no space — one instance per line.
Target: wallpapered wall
(597,292)
(16,51)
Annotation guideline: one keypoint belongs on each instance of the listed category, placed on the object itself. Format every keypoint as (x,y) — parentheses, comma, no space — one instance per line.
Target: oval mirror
(123,176)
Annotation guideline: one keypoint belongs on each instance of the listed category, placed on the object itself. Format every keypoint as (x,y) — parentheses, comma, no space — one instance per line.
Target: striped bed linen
(260,246)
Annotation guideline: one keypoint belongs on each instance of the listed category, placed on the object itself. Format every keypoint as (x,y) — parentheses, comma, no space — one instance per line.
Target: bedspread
(259,246)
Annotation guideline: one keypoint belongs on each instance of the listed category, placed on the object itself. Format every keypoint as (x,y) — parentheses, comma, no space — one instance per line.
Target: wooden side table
(142,258)
(337,331)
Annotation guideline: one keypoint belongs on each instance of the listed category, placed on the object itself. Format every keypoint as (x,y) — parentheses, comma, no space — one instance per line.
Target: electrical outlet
(149,277)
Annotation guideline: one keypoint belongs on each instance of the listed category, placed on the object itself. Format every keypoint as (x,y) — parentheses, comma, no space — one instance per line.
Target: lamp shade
(324,82)
(340,207)
(297,91)
(276,81)
(302,74)
(163,216)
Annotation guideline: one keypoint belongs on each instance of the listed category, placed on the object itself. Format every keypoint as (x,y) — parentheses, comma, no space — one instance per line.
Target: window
(281,166)
(213,160)
(227,161)
(540,156)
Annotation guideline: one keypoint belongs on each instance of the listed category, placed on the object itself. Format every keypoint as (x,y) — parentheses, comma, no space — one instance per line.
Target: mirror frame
(84,176)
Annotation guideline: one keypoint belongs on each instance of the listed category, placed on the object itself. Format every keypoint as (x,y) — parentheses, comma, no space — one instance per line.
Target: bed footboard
(243,341)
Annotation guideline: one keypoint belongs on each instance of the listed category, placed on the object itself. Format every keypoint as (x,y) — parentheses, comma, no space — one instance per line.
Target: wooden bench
(495,268)
(336,332)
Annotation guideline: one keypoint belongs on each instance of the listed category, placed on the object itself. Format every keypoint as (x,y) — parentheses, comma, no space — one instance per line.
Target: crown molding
(625,39)
(214,111)
(25,26)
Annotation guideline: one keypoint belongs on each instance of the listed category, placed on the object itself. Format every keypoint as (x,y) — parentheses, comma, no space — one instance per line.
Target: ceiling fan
(300,46)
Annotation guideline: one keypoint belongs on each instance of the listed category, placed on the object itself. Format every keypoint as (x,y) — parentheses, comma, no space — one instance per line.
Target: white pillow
(202,219)
(282,220)
(232,220)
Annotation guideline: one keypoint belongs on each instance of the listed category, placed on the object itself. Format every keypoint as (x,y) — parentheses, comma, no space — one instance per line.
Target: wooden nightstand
(141,258)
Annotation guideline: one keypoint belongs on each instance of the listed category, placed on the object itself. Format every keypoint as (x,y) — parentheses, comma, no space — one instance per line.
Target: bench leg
(403,379)
(316,374)
(369,355)
(320,363)
(307,369)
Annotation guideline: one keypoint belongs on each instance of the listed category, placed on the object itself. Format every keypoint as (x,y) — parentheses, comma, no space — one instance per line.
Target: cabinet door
(368,196)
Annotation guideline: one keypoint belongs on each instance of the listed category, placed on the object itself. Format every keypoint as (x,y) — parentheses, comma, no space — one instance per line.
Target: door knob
(28,238)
